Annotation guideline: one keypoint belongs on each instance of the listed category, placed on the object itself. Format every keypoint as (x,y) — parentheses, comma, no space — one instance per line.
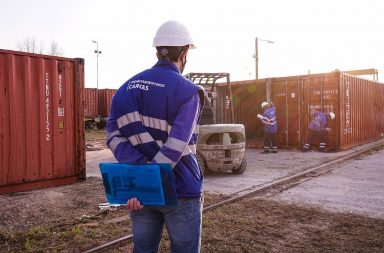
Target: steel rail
(287,180)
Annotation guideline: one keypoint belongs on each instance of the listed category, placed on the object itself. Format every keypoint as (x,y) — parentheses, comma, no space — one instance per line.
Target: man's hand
(133,204)
(262,118)
(328,129)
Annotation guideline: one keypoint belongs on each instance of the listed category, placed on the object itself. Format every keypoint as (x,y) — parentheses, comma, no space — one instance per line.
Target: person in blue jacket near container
(270,127)
(154,119)
(318,130)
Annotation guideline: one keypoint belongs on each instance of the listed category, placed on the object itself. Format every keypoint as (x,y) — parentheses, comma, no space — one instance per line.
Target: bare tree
(30,45)
(55,50)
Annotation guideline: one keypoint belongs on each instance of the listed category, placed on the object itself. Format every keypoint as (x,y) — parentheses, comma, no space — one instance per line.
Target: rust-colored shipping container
(42,121)
(91,104)
(246,98)
(358,104)
(105,99)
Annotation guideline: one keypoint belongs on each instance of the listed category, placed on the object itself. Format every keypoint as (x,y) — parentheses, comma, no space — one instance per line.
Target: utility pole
(257,58)
(256,55)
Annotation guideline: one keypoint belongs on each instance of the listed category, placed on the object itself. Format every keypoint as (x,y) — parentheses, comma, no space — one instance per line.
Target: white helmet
(264,104)
(332,115)
(174,34)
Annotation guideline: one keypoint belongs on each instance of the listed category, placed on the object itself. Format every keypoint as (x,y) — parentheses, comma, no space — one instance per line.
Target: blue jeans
(183,225)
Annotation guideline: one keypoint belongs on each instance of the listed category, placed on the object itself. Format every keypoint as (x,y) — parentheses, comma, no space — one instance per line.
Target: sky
(309,36)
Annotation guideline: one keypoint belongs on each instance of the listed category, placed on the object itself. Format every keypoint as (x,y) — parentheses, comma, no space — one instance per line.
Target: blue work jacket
(269,120)
(154,119)
(319,121)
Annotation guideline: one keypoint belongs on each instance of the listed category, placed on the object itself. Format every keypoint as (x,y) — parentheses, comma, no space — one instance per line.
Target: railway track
(280,184)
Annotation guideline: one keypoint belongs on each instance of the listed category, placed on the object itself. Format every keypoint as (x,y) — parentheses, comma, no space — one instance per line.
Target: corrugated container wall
(362,110)
(246,96)
(42,121)
(91,108)
(105,99)
(357,103)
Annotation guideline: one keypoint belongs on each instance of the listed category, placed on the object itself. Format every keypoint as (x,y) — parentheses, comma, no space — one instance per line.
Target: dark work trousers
(270,141)
(314,137)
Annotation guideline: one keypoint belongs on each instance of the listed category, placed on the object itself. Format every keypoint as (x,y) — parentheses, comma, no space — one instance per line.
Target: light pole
(97,52)
(256,55)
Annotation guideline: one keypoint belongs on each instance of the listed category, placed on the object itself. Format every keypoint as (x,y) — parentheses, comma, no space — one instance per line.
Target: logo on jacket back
(143,84)
(137,86)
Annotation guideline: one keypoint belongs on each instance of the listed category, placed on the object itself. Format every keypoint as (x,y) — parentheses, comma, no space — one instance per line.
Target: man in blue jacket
(270,127)
(318,130)
(154,119)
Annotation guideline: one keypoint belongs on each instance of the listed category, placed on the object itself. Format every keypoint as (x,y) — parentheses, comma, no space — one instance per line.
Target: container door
(321,94)
(42,133)
(286,97)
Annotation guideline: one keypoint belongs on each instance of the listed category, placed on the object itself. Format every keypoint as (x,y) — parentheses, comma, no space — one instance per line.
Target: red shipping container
(105,99)
(91,104)
(42,121)
(357,103)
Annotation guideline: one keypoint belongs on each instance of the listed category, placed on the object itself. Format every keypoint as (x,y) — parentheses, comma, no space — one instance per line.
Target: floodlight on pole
(97,52)
(256,55)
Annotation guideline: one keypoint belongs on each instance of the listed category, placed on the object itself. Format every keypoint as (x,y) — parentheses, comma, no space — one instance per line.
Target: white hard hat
(264,104)
(332,115)
(174,34)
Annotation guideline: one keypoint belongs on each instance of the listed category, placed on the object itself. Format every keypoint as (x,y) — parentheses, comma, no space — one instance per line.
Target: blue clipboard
(152,184)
